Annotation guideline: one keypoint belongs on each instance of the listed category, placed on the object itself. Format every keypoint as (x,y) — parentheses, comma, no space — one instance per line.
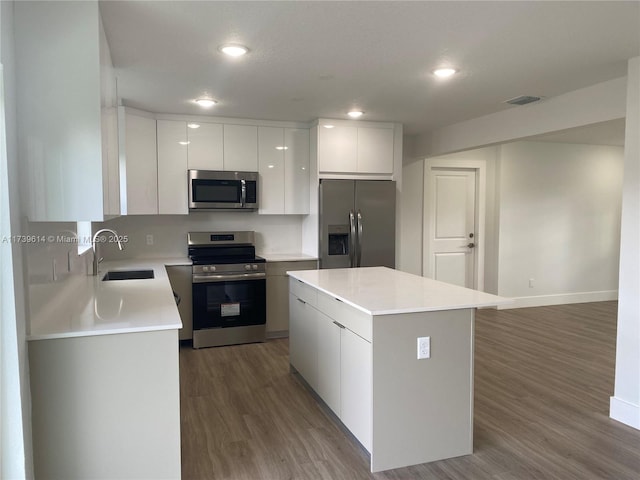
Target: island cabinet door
(329,362)
(356,386)
(303,339)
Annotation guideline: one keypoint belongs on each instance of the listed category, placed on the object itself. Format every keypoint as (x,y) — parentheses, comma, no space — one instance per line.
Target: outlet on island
(424,347)
(149,239)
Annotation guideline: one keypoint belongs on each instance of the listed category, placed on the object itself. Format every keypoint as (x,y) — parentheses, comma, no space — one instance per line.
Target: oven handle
(225,278)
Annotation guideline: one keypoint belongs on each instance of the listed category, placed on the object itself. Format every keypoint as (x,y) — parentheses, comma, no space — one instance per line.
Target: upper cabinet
(205,148)
(337,149)
(283,165)
(172,167)
(138,162)
(241,148)
(65,99)
(296,171)
(355,149)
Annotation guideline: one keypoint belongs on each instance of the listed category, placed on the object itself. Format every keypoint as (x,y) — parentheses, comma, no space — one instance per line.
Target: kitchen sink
(128,275)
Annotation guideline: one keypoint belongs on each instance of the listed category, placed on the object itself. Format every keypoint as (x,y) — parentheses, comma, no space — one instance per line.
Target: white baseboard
(560,299)
(625,412)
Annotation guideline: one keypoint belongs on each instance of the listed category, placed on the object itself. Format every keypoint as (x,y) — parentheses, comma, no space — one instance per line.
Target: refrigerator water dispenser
(338,240)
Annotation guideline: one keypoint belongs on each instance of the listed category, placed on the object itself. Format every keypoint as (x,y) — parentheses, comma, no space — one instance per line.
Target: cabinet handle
(337,299)
(301,301)
(339,324)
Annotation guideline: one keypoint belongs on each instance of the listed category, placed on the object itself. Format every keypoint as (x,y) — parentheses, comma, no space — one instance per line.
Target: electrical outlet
(149,239)
(424,347)
(532,282)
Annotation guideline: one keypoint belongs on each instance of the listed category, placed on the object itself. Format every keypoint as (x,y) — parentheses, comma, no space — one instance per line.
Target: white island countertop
(384,291)
(87,305)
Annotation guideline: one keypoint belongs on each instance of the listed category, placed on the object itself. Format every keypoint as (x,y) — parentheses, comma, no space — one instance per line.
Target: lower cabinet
(333,360)
(106,406)
(328,386)
(303,339)
(278,294)
(180,278)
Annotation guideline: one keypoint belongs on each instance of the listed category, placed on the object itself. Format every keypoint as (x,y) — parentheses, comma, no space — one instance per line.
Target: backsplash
(274,233)
(50,259)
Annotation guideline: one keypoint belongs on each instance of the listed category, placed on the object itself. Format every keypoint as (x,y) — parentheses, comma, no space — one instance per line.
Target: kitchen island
(103,357)
(356,336)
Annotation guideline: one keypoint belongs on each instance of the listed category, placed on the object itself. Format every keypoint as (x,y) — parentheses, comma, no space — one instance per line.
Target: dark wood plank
(543,378)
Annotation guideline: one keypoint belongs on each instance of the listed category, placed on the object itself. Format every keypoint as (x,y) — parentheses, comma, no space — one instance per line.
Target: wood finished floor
(543,378)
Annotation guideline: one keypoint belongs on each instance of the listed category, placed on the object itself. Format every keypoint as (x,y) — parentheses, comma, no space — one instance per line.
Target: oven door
(222,301)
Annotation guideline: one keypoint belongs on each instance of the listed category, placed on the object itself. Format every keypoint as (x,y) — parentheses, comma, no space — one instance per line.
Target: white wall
(17,467)
(625,404)
(559,221)
(409,257)
(274,233)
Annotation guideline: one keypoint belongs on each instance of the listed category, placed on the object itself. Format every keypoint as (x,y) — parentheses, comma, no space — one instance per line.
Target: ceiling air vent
(523,100)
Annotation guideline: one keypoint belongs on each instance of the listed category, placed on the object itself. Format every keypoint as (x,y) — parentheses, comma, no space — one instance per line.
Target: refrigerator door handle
(359,251)
(352,239)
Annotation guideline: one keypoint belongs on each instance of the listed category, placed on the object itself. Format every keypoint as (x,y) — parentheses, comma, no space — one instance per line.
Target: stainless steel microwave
(216,190)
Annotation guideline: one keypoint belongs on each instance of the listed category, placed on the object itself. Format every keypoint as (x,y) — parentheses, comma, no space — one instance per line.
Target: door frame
(480,167)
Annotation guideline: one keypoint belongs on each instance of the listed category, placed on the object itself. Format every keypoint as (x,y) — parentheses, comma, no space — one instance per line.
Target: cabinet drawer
(358,322)
(303,291)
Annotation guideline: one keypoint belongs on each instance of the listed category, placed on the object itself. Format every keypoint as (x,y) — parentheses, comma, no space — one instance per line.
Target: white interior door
(452,236)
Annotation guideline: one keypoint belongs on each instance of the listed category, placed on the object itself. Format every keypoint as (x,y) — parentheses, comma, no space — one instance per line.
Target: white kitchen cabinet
(375,150)
(355,385)
(334,360)
(205,149)
(107,393)
(328,385)
(338,149)
(240,148)
(296,171)
(109,114)
(283,164)
(303,338)
(271,167)
(172,167)
(138,162)
(63,86)
(355,149)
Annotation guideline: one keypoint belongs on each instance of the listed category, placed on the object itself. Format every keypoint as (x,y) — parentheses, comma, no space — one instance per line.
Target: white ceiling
(319,59)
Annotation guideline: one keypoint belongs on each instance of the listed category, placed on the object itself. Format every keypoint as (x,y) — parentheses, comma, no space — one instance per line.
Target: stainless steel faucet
(96,258)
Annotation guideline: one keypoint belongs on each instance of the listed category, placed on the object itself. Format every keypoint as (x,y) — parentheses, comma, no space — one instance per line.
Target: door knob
(471,245)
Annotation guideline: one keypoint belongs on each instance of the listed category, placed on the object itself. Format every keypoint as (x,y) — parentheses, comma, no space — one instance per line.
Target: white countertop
(287,257)
(89,306)
(384,291)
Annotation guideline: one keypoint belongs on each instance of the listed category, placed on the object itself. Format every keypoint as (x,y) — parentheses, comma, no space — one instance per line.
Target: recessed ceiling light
(193,125)
(184,143)
(328,126)
(205,102)
(355,113)
(233,49)
(444,72)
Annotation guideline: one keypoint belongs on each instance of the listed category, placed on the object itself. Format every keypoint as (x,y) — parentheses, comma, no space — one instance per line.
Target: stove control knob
(205,269)
(212,269)
(255,267)
(247,267)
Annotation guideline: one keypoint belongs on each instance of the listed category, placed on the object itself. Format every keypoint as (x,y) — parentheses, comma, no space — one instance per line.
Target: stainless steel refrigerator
(357,223)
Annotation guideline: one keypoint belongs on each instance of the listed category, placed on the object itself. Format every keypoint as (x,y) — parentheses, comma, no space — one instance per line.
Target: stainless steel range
(229,289)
